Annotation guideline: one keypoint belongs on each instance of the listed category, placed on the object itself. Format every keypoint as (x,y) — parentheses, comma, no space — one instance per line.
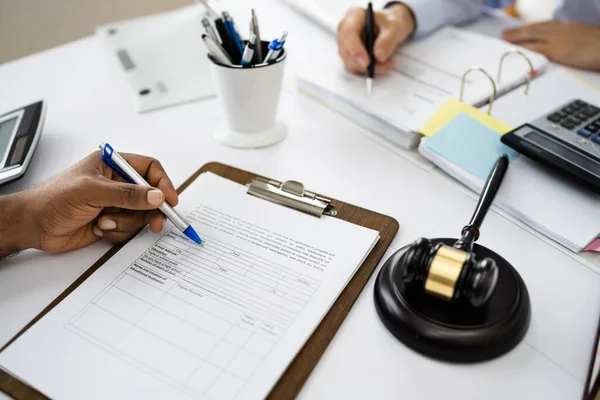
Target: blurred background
(29,26)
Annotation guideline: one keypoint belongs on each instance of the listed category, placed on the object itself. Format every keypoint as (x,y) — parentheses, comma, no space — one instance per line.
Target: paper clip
(464,78)
(532,71)
(107,158)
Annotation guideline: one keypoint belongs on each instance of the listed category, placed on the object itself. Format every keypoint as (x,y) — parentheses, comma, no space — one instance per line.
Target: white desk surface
(87,103)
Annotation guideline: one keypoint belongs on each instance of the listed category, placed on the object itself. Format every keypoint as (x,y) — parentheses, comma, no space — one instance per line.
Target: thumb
(388,39)
(109,193)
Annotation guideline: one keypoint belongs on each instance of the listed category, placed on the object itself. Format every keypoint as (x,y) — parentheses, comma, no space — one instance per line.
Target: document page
(428,72)
(166,318)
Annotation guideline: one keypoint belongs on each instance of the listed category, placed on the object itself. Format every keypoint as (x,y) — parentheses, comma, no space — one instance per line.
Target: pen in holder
(250,96)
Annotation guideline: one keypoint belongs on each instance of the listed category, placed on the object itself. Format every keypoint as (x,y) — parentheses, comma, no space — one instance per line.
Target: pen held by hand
(370,44)
(118,164)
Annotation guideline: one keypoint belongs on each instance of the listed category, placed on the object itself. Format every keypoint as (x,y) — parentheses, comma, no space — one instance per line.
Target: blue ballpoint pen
(118,164)
(235,36)
(275,48)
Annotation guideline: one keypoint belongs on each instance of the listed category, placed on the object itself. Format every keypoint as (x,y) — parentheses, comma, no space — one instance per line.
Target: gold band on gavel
(444,271)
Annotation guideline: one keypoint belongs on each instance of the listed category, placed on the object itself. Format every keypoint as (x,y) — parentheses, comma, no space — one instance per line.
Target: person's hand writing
(393,26)
(84,204)
(569,43)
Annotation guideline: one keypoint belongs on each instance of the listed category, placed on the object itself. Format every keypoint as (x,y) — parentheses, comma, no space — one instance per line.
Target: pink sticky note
(594,246)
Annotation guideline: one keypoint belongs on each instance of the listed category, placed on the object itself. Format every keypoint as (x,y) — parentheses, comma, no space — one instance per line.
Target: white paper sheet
(166,318)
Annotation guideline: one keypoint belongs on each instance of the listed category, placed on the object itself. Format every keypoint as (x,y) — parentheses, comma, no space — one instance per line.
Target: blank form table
(225,291)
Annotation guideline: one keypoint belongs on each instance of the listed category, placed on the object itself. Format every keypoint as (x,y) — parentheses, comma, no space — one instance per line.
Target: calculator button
(568,124)
(575,120)
(575,105)
(581,116)
(590,110)
(568,110)
(596,139)
(560,114)
(592,128)
(581,103)
(584,133)
(554,117)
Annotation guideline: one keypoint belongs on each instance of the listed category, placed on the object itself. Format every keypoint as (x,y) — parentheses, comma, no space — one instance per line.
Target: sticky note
(452,108)
(594,246)
(469,144)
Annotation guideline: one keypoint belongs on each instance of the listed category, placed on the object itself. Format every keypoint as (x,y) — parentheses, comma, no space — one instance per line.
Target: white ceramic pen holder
(250,96)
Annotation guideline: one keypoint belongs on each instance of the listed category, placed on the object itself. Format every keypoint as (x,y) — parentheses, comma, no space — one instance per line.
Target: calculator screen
(564,152)
(6,133)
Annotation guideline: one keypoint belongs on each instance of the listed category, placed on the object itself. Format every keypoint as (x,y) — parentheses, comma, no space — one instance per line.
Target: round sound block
(455,332)
(229,137)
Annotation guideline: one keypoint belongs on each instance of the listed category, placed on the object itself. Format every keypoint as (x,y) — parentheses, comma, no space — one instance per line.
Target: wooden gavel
(452,273)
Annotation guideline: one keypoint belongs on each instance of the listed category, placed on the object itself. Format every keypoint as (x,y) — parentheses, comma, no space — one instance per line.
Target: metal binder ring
(532,71)
(464,78)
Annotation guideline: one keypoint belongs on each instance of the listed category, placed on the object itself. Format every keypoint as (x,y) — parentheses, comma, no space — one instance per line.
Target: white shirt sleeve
(433,14)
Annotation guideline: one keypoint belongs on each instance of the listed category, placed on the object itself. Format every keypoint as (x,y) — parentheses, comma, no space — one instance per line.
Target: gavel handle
(471,232)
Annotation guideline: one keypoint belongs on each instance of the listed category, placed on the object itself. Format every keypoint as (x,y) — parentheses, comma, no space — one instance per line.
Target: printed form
(166,318)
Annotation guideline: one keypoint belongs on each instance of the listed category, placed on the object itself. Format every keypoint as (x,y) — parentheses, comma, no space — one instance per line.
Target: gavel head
(449,273)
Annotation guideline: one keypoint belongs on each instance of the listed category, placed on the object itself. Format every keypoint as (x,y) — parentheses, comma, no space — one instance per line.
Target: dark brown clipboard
(300,368)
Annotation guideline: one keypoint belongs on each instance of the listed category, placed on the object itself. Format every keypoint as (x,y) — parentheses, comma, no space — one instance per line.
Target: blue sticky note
(469,144)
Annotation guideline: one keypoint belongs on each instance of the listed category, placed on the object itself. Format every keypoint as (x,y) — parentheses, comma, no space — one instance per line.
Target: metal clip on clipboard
(293,195)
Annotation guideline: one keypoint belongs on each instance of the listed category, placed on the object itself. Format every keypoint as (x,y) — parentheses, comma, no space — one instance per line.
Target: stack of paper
(571,218)
(466,148)
(427,74)
(558,209)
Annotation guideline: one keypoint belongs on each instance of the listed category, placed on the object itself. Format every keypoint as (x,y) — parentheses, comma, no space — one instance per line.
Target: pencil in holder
(250,98)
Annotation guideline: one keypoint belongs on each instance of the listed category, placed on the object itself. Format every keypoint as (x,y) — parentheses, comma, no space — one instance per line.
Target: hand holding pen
(84,204)
(121,167)
(393,25)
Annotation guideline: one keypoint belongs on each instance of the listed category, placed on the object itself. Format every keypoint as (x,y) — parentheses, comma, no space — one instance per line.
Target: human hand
(393,25)
(89,201)
(569,43)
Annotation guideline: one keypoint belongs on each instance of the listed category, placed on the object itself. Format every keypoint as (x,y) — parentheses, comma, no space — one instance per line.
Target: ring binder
(532,71)
(462,85)
(293,195)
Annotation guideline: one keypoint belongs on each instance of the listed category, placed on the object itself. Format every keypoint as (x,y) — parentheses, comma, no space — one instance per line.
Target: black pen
(370,42)
(226,40)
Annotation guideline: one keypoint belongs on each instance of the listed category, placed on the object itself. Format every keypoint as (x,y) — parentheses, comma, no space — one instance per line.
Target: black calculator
(566,140)
(20,132)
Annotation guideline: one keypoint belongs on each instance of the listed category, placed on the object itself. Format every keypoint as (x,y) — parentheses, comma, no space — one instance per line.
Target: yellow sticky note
(452,108)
